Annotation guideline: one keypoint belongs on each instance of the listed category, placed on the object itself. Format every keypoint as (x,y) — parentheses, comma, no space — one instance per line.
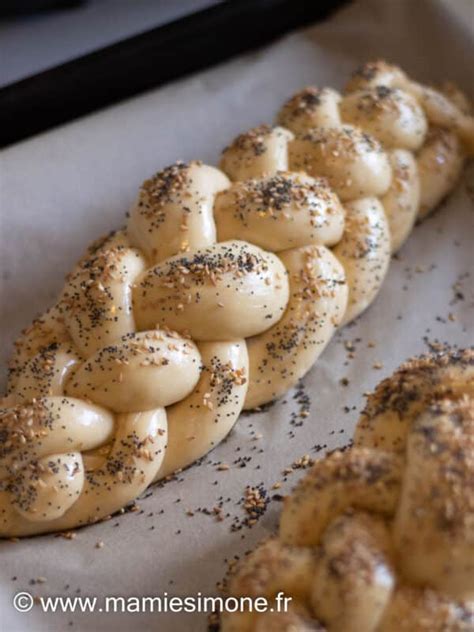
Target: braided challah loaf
(217,296)
(380,538)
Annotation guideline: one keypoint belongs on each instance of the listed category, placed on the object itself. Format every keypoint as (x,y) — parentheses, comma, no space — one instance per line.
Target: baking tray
(147,60)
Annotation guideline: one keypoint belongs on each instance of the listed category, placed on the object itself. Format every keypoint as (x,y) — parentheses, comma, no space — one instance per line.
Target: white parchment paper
(62,189)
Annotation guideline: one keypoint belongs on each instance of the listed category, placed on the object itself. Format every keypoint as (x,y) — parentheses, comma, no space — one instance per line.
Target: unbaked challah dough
(220,292)
(380,537)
